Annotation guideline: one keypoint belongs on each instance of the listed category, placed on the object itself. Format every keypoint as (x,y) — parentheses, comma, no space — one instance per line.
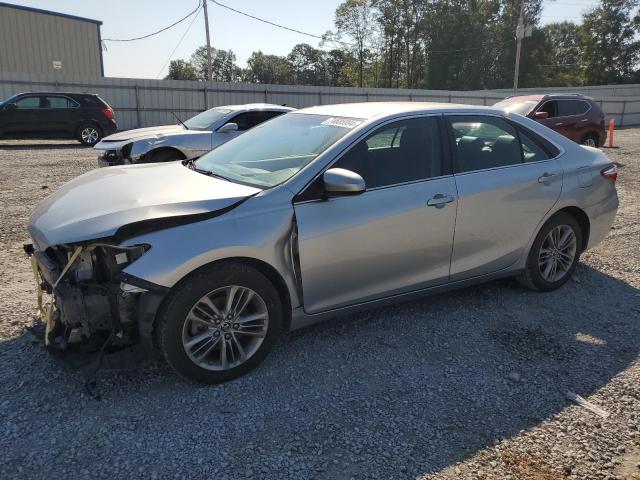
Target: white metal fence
(140,103)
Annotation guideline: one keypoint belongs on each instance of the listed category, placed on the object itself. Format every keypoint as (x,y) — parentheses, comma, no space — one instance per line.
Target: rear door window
(482,142)
(532,151)
(569,108)
(57,102)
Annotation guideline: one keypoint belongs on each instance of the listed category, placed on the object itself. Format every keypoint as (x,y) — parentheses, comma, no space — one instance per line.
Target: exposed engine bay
(92,302)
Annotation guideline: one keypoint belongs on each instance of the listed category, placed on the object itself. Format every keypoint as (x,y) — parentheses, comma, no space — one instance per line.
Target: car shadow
(40,146)
(406,390)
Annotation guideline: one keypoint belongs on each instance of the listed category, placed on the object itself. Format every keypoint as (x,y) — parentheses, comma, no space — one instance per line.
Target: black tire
(590,139)
(173,316)
(164,156)
(89,134)
(532,277)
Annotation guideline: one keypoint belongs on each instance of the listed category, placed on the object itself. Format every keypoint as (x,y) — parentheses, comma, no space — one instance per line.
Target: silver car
(314,214)
(185,140)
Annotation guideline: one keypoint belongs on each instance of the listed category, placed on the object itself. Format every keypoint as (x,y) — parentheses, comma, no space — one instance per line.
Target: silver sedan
(317,213)
(184,140)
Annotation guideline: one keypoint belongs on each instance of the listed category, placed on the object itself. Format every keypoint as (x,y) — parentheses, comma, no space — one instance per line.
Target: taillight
(108,113)
(610,173)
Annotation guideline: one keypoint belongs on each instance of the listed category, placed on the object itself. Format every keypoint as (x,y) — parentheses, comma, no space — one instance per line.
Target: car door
(507,181)
(577,123)
(394,237)
(22,118)
(57,115)
(562,117)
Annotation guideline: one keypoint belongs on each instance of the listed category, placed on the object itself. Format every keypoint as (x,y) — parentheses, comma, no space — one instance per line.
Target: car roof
(56,93)
(540,96)
(370,110)
(257,106)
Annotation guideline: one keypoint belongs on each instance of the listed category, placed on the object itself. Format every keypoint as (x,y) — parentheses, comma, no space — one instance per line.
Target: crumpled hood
(142,133)
(96,204)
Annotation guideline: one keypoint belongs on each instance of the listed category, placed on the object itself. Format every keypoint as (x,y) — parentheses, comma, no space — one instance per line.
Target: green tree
(223,64)
(181,70)
(355,19)
(610,46)
(309,65)
(563,63)
(263,68)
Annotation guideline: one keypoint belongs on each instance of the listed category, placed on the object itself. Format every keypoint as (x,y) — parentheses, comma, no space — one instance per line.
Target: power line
(269,22)
(179,43)
(195,10)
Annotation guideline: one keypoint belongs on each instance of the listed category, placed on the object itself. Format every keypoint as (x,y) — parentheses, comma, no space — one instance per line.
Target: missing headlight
(115,258)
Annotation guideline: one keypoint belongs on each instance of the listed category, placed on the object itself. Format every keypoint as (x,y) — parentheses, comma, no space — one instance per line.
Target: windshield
(523,107)
(204,120)
(276,150)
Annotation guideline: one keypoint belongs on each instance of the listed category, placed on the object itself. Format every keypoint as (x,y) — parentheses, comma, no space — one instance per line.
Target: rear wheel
(220,323)
(590,140)
(89,134)
(554,254)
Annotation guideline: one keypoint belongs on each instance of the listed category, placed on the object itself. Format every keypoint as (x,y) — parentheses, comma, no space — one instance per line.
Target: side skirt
(301,319)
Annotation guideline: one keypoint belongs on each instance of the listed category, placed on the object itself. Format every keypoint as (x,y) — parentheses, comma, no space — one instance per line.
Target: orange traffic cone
(611,127)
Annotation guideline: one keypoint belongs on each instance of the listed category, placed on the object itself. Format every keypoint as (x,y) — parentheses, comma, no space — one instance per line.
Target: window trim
(445,156)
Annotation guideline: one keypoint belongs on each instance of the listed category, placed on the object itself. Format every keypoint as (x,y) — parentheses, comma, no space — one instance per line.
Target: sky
(150,57)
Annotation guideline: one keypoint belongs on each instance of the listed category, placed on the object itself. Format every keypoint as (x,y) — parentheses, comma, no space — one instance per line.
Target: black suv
(83,116)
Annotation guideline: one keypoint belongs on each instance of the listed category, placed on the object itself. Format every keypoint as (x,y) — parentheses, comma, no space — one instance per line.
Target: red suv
(575,116)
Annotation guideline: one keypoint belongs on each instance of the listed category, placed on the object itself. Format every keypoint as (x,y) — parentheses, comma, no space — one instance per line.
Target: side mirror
(338,181)
(542,115)
(228,127)
(10,106)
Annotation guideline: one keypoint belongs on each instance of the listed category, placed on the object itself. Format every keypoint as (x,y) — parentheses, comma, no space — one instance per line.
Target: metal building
(45,42)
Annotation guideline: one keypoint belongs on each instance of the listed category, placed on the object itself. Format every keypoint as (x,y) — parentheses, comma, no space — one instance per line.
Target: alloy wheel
(557,253)
(225,328)
(89,135)
(589,142)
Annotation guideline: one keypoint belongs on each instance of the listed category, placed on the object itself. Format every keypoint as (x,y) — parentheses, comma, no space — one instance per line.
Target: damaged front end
(117,156)
(93,303)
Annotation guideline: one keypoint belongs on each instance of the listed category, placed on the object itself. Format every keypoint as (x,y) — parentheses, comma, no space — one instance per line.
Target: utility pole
(519,37)
(206,27)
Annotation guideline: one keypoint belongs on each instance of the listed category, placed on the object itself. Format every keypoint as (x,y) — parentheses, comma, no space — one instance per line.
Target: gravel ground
(470,384)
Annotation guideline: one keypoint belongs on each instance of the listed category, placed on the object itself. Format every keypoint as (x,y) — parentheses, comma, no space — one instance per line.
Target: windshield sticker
(342,122)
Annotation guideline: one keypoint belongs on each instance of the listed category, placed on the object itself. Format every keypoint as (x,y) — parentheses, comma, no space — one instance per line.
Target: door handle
(547,178)
(439,200)
(559,124)
(584,120)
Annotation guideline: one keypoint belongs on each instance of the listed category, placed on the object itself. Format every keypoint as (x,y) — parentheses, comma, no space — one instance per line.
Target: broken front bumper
(90,308)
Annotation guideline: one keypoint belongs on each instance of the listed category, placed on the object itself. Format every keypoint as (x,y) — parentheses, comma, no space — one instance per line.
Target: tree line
(445,44)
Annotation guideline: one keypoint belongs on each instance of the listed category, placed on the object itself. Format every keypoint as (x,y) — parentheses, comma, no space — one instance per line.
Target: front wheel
(554,254)
(220,323)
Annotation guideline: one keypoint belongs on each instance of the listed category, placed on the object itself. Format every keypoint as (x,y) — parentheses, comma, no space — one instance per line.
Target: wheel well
(583,220)
(166,149)
(272,275)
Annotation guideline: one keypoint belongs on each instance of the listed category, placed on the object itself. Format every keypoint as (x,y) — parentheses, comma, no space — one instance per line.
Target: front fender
(260,229)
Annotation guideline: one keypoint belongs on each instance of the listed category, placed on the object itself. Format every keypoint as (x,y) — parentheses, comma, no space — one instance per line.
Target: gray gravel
(470,384)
